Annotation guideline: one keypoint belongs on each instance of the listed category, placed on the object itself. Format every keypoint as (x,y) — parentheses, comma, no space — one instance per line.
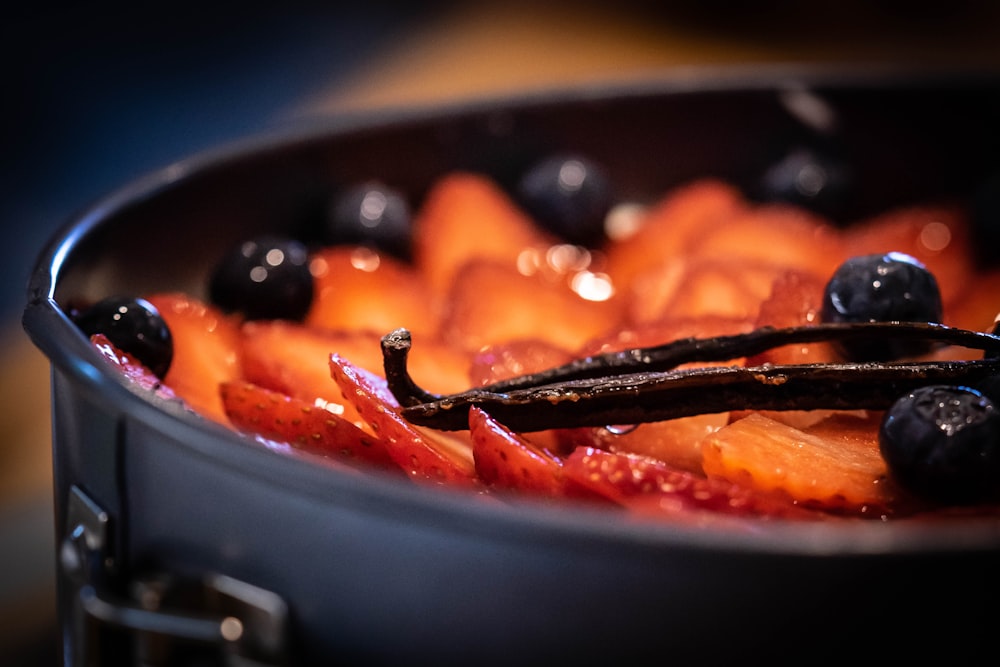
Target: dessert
(723,358)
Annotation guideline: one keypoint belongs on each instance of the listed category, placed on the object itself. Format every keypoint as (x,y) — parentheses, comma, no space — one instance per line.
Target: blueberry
(372,214)
(891,287)
(807,177)
(132,325)
(942,444)
(264,278)
(569,195)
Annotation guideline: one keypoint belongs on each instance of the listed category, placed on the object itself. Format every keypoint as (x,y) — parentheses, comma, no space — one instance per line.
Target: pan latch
(162,619)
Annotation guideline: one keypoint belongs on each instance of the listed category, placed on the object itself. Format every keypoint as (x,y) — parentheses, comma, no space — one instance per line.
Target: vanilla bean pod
(396,346)
(655,396)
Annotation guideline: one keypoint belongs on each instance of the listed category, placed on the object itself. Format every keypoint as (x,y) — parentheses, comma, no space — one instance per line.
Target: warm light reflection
(365,259)
(935,236)
(592,286)
(624,220)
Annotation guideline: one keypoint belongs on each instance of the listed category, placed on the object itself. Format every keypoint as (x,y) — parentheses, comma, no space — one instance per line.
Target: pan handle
(164,619)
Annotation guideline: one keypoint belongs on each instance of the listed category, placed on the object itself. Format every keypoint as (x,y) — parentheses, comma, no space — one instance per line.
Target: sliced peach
(358,288)
(834,466)
(464,216)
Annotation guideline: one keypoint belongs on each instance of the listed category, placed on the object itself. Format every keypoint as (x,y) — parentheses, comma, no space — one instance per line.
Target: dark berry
(891,287)
(264,278)
(371,214)
(942,444)
(132,325)
(569,195)
(808,178)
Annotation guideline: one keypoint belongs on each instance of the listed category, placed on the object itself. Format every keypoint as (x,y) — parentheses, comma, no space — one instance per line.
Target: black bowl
(179,540)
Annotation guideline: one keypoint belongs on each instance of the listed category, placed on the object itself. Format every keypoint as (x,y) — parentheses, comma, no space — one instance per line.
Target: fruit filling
(707,357)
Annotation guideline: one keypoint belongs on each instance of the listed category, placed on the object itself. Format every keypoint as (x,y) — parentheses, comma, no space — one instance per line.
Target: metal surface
(378,571)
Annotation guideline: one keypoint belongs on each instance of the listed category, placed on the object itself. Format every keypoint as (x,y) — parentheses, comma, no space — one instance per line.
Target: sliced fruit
(776,234)
(646,483)
(670,225)
(295,359)
(439,461)
(306,426)
(833,465)
(206,351)
(493,303)
(358,288)
(502,361)
(131,367)
(796,299)
(465,216)
(699,287)
(505,460)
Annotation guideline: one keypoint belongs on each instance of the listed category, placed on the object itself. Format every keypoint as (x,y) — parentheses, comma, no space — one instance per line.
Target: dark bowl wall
(378,572)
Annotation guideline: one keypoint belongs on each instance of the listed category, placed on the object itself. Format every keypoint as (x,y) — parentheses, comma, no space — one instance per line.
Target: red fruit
(669,226)
(206,351)
(796,300)
(503,361)
(777,234)
(131,368)
(467,216)
(427,458)
(701,287)
(308,427)
(295,359)
(508,461)
(645,483)
(492,303)
(360,289)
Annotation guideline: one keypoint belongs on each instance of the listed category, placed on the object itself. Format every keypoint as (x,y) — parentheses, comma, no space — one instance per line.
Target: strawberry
(464,216)
(494,303)
(444,460)
(699,287)
(295,359)
(508,461)
(647,484)
(132,368)
(668,227)
(834,465)
(357,288)
(206,351)
(776,234)
(308,427)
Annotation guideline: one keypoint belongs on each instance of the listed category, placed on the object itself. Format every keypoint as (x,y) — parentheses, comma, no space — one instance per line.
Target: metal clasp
(162,619)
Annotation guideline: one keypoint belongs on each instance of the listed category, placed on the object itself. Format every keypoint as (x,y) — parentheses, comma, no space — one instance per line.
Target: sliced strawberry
(423,457)
(832,465)
(295,359)
(670,225)
(466,216)
(776,234)
(131,367)
(648,484)
(701,287)
(206,351)
(306,426)
(358,289)
(494,303)
(796,299)
(502,361)
(508,461)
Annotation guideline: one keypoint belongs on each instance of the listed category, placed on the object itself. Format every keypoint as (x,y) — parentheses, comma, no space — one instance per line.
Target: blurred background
(98,96)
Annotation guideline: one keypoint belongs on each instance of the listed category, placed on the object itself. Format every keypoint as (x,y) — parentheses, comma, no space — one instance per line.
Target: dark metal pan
(180,541)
